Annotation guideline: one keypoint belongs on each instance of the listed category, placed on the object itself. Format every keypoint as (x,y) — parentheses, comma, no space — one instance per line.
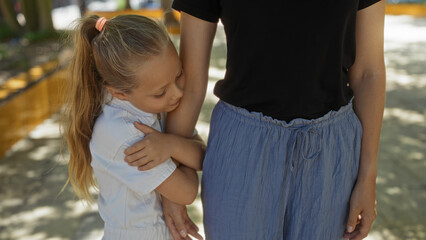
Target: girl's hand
(362,210)
(149,152)
(178,221)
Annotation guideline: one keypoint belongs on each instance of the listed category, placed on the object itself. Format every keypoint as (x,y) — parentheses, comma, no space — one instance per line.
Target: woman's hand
(362,210)
(178,221)
(151,151)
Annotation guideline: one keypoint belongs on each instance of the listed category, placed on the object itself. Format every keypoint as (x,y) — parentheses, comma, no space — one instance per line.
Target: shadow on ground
(401,182)
(32,206)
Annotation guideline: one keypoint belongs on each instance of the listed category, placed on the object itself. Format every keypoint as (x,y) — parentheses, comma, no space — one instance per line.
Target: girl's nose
(178,90)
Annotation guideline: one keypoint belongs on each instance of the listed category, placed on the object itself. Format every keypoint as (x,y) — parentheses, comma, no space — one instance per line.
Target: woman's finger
(358,220)
(193,230)
(180,225)
(365,226)
(352,219)
(172,228)
(194,226)
(195,234)
(353,234)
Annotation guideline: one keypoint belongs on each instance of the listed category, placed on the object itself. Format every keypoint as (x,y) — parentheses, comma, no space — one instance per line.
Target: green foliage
(3,53)
(41,36)
(6,33)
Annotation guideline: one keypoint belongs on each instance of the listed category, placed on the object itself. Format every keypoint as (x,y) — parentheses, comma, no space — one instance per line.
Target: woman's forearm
(367,78)
(369,101)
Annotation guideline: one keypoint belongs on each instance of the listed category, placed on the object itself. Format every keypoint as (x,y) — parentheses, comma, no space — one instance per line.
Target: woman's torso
(286,59)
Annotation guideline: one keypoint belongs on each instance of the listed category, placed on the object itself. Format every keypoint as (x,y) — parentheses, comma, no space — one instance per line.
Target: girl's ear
(117,93)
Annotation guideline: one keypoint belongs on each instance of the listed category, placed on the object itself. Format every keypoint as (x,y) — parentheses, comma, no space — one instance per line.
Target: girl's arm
(156,147)
(367,79)
(181,186)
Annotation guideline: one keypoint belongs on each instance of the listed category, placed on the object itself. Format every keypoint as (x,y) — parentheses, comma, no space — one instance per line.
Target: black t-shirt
(286,59)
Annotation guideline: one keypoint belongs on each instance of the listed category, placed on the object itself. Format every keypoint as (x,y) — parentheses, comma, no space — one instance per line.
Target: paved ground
(33,171)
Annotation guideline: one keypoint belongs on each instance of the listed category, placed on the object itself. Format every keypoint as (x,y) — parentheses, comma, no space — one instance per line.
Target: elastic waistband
(258,118)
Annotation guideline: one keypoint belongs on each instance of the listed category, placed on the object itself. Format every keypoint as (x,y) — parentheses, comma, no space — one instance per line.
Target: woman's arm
(367,79)
(181,186)
(195,49)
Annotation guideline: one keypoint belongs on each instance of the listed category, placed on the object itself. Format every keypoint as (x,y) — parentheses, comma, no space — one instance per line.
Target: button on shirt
(128,204)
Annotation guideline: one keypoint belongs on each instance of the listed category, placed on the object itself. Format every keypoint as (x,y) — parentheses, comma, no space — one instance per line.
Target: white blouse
(128,204)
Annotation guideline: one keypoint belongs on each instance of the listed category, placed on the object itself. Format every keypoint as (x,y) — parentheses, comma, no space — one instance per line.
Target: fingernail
(183,233)
(350,228)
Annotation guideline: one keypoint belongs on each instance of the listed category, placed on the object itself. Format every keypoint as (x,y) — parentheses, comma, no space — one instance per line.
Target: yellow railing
(28,99)
(417,10)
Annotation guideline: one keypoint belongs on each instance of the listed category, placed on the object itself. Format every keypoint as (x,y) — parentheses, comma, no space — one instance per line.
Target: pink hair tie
(100,23)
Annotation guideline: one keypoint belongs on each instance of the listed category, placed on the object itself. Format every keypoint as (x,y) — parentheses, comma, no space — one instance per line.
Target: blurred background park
(33,160)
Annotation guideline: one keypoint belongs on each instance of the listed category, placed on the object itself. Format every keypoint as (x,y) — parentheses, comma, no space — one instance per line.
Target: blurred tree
(30,11)
(38,15)
(82,7)
(9,15)
(169,18)
(45,22)
(127,5)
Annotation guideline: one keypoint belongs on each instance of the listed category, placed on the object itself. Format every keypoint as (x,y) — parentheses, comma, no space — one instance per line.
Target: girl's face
(160,83)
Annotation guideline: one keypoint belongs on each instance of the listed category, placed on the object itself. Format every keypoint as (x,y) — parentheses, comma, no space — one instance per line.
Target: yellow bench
(28,99)
(416,10)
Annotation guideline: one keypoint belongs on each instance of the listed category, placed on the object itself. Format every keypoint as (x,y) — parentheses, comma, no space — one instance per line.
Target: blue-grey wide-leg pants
(268,179)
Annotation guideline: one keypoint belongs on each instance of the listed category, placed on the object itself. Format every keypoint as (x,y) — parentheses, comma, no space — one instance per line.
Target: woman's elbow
(189,196)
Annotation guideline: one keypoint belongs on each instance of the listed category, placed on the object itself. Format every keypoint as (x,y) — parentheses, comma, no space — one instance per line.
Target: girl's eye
(160,95)
(180,74)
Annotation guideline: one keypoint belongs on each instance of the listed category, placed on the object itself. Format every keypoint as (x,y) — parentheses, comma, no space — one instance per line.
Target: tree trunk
(127,4)
(6,7)
(169,17)
(45,15)
(82,6)
(30,11)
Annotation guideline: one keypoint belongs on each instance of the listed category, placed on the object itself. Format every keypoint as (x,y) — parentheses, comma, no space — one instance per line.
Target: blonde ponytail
(85,98)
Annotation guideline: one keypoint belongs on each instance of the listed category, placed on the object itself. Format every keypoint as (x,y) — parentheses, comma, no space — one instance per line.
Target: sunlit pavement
(34,170)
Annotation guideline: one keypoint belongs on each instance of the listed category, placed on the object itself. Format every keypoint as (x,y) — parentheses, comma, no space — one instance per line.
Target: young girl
(126,70)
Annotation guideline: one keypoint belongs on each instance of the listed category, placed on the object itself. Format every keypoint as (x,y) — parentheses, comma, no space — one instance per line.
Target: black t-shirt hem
(194,11)
(367,3)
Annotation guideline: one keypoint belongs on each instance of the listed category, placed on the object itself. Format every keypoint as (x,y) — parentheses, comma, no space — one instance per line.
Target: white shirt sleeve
(141,182)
